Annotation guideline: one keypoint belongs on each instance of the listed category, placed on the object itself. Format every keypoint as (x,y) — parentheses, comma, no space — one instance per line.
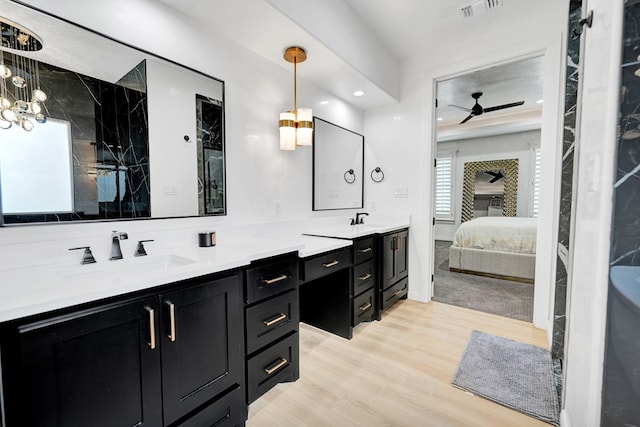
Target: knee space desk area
(355,283)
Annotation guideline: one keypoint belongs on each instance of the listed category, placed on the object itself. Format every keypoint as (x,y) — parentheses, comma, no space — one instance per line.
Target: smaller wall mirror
(338,164)
(490,189)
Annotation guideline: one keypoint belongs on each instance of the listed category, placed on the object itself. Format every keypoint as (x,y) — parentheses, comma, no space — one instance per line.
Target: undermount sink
(146,264)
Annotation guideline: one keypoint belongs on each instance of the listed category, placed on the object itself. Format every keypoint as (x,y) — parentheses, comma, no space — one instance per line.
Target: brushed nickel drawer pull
(275,320)
(277,366)
(397,292)
(152,328)
(275,279)
(172,321)
(365,307)
(365,277)
(330,264)
(365,250)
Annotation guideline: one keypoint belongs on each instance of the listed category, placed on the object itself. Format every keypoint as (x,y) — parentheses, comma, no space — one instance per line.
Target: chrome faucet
(116,252)
(358,219)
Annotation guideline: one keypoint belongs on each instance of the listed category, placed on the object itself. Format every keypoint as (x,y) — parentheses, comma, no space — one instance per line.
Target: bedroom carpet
(496,296)
(513,374)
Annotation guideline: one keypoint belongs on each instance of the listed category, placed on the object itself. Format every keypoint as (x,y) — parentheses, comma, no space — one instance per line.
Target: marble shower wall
(621,382)
(110,143)
(566,191)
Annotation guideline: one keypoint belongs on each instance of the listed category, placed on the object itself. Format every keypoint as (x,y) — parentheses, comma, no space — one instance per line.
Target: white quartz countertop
(29,291)
(355,231)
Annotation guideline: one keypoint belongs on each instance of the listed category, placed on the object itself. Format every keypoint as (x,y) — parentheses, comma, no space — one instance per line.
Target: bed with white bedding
(503,247)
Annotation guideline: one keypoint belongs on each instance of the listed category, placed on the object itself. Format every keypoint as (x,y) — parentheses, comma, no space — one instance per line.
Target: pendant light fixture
(296,126)
(20,95)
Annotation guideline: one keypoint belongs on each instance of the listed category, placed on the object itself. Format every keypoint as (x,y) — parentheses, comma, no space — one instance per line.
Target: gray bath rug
(516,375)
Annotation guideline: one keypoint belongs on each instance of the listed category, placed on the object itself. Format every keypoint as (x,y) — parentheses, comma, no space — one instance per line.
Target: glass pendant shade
(304,126)
(5,72)
(287,131)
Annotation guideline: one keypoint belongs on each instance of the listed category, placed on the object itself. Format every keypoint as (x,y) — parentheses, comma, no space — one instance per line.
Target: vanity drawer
(271,278)
(364,277)
(276,364)
(328,263)
(363,250)
(394,292)
(227,411)
(271,319)
(364,307)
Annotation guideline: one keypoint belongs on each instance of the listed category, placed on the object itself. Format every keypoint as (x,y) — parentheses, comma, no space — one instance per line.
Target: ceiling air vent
(478,7)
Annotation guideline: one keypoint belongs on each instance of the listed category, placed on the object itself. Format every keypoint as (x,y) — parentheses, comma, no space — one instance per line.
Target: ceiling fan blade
(500,107)
(468,110)
(497,176)
(469,117)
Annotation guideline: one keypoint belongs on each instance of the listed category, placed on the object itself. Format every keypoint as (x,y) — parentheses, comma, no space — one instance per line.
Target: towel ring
(379,175)
(350,172)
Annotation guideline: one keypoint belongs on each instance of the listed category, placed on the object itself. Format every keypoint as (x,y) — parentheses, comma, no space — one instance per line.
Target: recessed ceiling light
(539,101)
(358,93)
(439,119)
(324,102)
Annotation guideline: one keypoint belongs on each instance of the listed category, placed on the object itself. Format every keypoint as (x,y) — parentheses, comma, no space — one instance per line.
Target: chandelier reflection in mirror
(21,99)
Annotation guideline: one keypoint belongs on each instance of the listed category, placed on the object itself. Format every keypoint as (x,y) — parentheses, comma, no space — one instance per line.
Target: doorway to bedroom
(487,188)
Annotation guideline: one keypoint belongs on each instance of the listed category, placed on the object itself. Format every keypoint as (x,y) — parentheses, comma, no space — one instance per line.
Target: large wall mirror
(338,163)
(123,133)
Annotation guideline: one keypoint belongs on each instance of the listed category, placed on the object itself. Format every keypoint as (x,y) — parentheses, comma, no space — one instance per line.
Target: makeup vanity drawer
(271,320)
(363,307)
(363,250)
(267,278)
(364,277)
(278,363)
(328,263)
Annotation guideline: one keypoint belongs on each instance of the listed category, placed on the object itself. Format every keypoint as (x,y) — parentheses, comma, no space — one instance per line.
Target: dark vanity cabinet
(165,358)
(394,267)
(272,317)
(363,289)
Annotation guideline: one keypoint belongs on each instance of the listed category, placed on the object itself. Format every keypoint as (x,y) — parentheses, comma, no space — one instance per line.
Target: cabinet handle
(280,317)
(172,321)
(393,244)
(152,328)
(365,307)
(279,364)
(365,250)
(330,264)
(365,277)
(399,243)
(397,292)
(275,279)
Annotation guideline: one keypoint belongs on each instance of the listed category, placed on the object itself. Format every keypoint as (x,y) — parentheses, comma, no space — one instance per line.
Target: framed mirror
(490,188)
(338,164)
(126,134)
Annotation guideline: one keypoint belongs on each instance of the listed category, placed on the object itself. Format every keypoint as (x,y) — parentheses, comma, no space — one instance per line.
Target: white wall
(498,147)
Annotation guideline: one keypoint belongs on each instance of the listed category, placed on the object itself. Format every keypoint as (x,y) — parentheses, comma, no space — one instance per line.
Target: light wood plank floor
(396,372)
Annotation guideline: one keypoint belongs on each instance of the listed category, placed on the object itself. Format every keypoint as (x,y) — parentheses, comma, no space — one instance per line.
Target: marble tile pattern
(620,401)
(211,172)
(110,143)
(566,191)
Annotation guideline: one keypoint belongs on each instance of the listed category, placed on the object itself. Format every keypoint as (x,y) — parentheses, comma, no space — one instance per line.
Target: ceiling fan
(477,109)
(496,176)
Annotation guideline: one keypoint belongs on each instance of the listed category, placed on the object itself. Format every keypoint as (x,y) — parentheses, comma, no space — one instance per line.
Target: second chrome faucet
(116,252)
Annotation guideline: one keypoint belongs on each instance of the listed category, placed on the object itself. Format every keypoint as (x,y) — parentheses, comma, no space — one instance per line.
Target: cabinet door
(98,367)
(202,344)
(402,255)
(388,260)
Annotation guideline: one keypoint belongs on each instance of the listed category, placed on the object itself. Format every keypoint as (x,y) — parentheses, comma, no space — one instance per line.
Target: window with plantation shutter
(444,187)
(535,201)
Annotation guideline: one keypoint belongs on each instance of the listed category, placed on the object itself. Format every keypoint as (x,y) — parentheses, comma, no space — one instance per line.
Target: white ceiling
(349,42)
